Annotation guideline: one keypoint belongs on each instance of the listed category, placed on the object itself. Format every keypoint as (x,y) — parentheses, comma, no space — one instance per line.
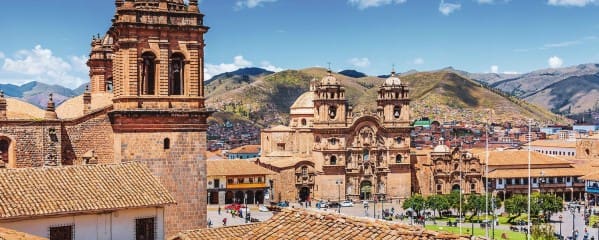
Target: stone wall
(93,132)
(181,169)
(34,142)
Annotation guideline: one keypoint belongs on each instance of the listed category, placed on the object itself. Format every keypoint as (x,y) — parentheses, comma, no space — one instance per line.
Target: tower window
(167,143)
(109,86)
(177,78)
(304,122)
(333,160)
(332,112)
(148,74)
(396,111)
(398,158)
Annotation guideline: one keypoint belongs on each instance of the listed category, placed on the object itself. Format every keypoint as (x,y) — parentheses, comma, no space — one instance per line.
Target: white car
(263,208)
(347,204)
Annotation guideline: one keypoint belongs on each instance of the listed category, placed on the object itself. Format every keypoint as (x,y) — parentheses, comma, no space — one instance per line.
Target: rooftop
(31,192)
(246,149)
(554,143)
(17,109)
(73,107)
(235,168)
(10,234)
(306,224)
(519,157)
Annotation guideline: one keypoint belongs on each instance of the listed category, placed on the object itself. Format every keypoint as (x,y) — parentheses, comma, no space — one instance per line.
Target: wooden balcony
(246,185)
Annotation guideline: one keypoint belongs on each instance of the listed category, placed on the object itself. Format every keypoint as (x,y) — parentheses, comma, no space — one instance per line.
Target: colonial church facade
(145,104)
(330,152)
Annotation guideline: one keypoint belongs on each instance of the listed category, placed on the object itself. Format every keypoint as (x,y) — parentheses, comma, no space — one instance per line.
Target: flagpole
(486,179)
(529,141)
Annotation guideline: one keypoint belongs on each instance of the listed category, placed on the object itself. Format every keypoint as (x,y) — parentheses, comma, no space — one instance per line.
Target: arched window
(304,171)
(177,76)
(109,85)
(333,160)
(332,112)
(398,158)
(148,74)
(365,155)
(4,144)
(167,143)
(396,111)
(304,122)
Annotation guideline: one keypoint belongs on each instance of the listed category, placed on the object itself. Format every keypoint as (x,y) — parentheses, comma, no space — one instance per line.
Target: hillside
(439,95)
(543,87)
(37,93)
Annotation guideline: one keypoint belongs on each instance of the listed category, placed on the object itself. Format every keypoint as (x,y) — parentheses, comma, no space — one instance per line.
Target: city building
(508,174)
(562,148)
(244,152)
(109,201)
(329,152)
(237,181)
(145,104)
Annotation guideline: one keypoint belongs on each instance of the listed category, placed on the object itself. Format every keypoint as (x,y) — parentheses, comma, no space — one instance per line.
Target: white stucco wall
(101,226)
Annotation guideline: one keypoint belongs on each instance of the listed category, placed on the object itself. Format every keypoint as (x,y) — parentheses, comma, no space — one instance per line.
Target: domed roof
(442,148)
(329,79)
(393,80)
(73,107)
(17,109)
(304,104)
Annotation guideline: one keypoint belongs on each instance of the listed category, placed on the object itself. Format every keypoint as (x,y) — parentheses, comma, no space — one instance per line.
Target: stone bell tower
(329,103)
(159,116)
(393,102)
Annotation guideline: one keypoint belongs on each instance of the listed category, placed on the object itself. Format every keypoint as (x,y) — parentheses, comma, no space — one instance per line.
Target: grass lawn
(477,231)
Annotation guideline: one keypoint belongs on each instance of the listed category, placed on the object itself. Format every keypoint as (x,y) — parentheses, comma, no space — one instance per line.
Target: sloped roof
(17,109)
(302,224)
(73,107)
(10,234)
(31,192)
(519,157)
(545,172)
(246,149)
(234,168)
(554,143)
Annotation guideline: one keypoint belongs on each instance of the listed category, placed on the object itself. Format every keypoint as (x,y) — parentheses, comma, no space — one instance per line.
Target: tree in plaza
(438,203)
(542,232)
(515,206)
(415,202)
(475,204)
(548,204)
(454,201)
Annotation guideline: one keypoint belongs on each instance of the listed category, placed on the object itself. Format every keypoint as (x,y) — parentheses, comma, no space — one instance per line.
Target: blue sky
(49,40)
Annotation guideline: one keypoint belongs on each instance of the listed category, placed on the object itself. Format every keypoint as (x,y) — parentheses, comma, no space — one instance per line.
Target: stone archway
(8,152)
(229,197)
(304,194)
(259,197)
(250,197)
(365,190)
(239,197)
(455,187)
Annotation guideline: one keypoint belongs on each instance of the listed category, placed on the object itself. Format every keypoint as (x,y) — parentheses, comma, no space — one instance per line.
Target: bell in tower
(329,102)
(393,101)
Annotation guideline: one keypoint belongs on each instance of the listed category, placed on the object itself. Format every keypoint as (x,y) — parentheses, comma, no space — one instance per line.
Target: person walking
(218,210)
(224,222)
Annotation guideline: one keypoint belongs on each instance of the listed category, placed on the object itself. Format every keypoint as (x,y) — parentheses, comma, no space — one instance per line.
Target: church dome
(393,80)
(304,104)
(329,79)
(441,149)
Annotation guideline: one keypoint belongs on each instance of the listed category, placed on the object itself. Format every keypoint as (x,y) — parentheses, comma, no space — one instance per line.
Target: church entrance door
(304,194)
(365,190)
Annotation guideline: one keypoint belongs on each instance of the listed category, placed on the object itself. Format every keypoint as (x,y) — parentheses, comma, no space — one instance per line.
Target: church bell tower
(159,117)
(329,102)
(393,103)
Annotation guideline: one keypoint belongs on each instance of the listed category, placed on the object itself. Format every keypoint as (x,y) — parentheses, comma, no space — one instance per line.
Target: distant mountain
(546,87)
(439,95)
(240,73)
(37,93)
(352,73)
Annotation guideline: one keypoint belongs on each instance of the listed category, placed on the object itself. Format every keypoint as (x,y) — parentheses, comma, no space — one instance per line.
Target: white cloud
(448,8)
(418,61)
(39,64)
(561,44)
(359,62)
(240,4)
(575,3)
(555,62)
(494,69)
(363,4)
(211,70)
(2,55)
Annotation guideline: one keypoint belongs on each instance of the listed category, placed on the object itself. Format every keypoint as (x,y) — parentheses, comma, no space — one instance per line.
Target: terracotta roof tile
(519,157)
(246,149)
(10,234)
(554,143)
(17,109)
(546,172)
(235,168)
(30,192)
(299,224)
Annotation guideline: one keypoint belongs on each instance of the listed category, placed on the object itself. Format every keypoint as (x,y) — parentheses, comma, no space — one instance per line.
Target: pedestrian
(218,210)
(240,214)
(225,222)
(209,223)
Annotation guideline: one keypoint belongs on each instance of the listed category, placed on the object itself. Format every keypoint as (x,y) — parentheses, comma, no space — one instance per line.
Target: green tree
(415,202)
(542,232)
(454,201)
(515,206)
(475,204)
(548,204)
(437,203)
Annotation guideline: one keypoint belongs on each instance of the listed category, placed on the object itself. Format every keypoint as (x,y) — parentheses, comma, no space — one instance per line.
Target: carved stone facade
(336,153)
(149,69)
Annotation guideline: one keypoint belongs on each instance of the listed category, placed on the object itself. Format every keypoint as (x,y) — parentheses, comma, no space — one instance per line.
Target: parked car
(322,204)
(333,205)
(283,204)
(263,208)
(347,203)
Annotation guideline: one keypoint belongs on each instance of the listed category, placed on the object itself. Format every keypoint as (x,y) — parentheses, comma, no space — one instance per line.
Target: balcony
(246,185)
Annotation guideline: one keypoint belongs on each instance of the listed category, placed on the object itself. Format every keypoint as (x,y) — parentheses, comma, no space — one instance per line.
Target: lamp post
(382,198)
(573,217)
(560,225)
(245,198)
(339,182)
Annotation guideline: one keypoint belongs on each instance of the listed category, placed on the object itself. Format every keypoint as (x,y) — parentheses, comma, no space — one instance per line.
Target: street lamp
(573,217)
(245,198)
(560,225)
(339,182)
